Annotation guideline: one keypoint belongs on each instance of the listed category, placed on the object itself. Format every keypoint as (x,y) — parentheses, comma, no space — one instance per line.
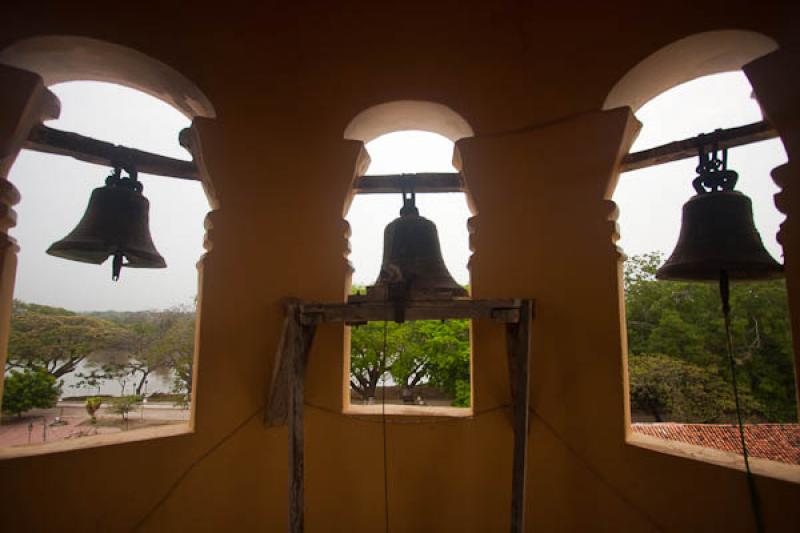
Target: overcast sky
(55,191)
(407,152)
(650,199)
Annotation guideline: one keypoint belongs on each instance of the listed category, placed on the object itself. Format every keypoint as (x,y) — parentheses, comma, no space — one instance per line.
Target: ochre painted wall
(285,82)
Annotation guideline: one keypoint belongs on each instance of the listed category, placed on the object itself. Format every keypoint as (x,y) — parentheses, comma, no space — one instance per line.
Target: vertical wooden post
(300,337)
(518,345)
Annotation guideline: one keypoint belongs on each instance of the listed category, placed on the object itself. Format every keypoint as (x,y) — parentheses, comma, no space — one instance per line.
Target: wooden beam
(278,402)
(422,183)
(518,340)
(53,141)
(687,148)
(674,151)
(360,311)
(302,336)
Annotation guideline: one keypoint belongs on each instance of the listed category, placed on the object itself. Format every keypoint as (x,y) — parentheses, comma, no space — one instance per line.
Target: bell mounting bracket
(131,181)
(712,170)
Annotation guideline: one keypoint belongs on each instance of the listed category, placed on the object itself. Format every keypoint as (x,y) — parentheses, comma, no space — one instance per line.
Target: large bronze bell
(717,232)
(413,268)
(115,224)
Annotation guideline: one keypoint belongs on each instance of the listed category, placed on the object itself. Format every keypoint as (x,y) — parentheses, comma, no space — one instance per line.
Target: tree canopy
(58,340)
(668,387)
(157,340)
(418,352)
(126,347)
(676,339)
(678,364)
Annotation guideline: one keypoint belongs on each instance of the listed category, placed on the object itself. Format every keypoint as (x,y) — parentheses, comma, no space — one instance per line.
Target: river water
(156,382)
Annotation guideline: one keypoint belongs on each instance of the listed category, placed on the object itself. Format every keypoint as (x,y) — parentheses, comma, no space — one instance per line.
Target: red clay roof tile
(777,442)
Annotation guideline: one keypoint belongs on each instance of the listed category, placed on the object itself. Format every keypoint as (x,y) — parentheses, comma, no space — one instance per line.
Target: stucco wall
(285,82)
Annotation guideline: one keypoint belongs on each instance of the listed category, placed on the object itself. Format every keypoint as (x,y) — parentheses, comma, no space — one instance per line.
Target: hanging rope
(383,424)
(724,292)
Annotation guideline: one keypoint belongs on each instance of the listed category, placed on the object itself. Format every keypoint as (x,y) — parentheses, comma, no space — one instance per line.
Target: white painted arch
(403,115)
(698,55)
(60,58)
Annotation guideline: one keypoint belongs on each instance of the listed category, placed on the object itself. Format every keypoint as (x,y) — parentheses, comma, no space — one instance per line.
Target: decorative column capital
(775,78)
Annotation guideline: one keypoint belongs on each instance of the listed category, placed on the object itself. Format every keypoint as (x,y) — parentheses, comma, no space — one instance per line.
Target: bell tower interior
(596,396)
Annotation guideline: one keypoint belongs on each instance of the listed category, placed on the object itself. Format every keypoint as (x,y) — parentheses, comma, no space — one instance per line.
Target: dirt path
(36,426)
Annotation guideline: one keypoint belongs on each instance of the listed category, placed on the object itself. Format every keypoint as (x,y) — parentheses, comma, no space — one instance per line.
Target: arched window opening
(88,355)
(426,363)
(680,383)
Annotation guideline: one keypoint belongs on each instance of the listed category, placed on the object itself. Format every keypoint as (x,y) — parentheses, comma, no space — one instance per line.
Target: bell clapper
(131,182)
(116,266)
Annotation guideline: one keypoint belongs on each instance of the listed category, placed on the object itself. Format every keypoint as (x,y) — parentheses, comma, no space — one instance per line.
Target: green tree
(367,361)
(684,321)
(31,388)
(434,352)
(177,344)
(671,389)
(446,345)
(159,341)
(56,339)
(417,352)
(411,357)
(116,371)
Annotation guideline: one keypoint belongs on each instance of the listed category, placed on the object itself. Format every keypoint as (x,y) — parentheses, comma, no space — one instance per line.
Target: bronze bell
(717,232)
(115,224)
(413,268)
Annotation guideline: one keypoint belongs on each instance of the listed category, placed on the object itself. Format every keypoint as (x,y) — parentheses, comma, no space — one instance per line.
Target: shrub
(92,405)
(124,405)
(29,389)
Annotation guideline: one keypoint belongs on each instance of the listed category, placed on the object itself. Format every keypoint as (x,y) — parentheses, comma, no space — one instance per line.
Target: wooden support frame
(286,393)
(360,310)
(518,343)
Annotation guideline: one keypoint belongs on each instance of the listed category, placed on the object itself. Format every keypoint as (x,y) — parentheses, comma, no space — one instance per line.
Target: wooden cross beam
(83,148)
(285,404)
(423,182)
(359,310)
(45,139)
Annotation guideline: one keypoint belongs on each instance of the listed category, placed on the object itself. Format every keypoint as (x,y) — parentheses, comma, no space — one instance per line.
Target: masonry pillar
(546,228)
(776,81)
(25,102)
